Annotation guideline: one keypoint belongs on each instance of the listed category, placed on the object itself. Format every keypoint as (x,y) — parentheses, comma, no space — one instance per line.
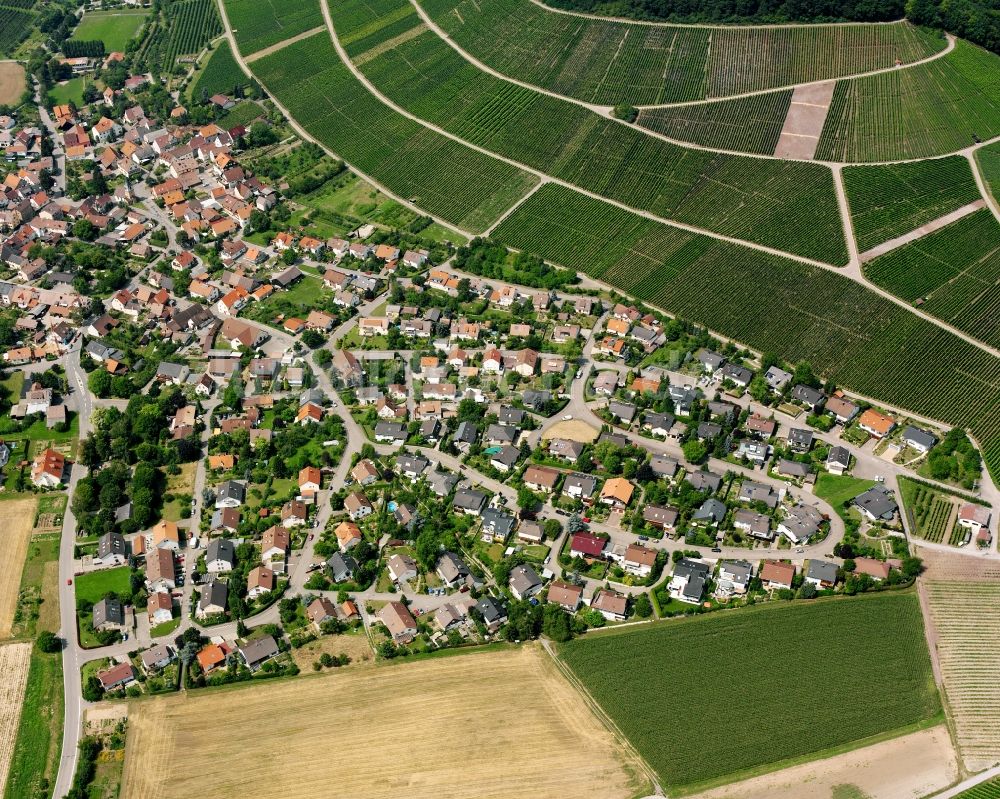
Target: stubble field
(11,82)
(19,518)
(13,678)
(499,724)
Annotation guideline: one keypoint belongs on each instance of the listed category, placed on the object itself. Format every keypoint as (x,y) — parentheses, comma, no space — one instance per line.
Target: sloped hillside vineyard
(443,177)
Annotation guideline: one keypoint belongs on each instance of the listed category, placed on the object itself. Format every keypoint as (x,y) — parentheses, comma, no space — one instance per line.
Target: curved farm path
(304,134)
(940,54)
(977,174)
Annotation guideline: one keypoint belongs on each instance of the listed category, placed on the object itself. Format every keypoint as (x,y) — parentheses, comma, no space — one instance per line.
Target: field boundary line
(924,230)
(984,188)
(375,92)
(503,217)
(306,136)
(282,44)
(603,717)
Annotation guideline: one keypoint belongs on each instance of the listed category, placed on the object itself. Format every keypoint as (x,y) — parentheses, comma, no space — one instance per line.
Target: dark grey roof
(500,522)
(711,509)
(492,609)
(524,579)
(919,437)
(799,438)
(704,480)
(840,455)
(507,455)
(794,468)
(232,489)
(468,499)
(708,430)
(259,650)
(111,544)
(663,466)
(503,433)
(412,463)
(586,482)
(808,395)
(877,501)
(394,430)
(342,566)
(534,398)
(623,410)
(467,433)
(511,416)
(221,549)
(710,359)
(658,420)
(109,611)
(686,567)
(214,593)
(822,570)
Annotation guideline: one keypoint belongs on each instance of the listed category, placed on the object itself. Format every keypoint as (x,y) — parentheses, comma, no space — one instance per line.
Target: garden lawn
(94,585)
(707,700)
(837,489)
(69,92)
(114,28)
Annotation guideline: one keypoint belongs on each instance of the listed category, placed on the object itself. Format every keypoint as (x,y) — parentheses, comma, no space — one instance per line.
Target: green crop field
(954,271)
(783,204)
(260,23)
(114,28)
(848,333)
(609,62)
(735,691)
(931,109)
(443,177)
(747,124)
(220,75)
(888,201)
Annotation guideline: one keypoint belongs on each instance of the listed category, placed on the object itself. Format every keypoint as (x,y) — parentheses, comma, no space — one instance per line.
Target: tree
(695,451)
(49,642)
(288,257)
(555,624)
(92,689)
(99,383)
(643,607)
(313,339)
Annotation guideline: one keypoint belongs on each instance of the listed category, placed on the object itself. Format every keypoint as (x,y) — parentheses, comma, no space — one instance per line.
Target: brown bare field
(903,768)
(355,646)
(494,725)
(573,429)
(14,660)
(11,82)
(18,519)
(48,611)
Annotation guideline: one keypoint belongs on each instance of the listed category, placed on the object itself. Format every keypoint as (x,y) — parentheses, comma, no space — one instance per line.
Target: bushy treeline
(742,10)
(977,22)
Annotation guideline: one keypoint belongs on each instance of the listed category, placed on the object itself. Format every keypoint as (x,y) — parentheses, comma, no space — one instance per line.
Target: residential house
(452,570)
(876,424)
(213,600)
(610,604)
(776,574)
(258,651)
(733,578)
(357,505)
(821,573)
(617,492)
(566,595)
(688,580)
(220,556)
(838,460)
(524,582)
(402,568)
(398,622)
(108,614)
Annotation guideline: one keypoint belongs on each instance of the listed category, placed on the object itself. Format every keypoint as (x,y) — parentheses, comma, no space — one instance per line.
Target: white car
(567,417)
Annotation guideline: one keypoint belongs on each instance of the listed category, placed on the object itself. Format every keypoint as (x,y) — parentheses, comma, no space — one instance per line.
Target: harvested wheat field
(18,519)
(502,724)
(903,768)
(11,82)
(14,661)
(573,429)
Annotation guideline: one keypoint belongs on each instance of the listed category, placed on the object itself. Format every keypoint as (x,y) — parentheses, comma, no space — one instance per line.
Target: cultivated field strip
(190,25)
(888,201)
(953,272)
(931,109)
(494,725)
(747,124)
(18,521)
(14,660)
(261,23)
(443,177)
(694,675)
(848,333)
(784,205)
(608,62)
(966,615)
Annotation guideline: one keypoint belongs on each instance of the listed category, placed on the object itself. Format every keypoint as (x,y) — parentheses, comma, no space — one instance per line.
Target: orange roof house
(617,491)
(875,423)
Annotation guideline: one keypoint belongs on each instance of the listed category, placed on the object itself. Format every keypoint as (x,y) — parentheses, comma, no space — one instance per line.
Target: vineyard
(260,23)
(609,62)
(888,201)
(186,27)
(15,25)
(964,612)
(850,669)
(221,73)
(748,124)
(955,271)
(783,204)
(989,164)
(987,790)
(929,512)
(931,109)
(443,177)
(848,333)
